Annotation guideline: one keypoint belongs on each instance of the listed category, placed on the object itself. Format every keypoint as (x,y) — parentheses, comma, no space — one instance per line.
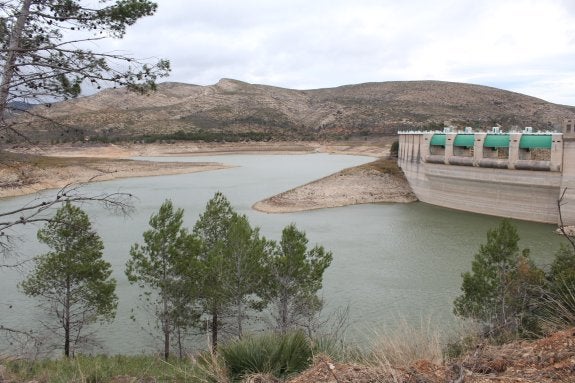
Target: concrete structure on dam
(519,175)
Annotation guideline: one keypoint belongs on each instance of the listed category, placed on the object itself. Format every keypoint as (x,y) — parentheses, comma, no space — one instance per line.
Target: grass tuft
(405,345)
(274,354)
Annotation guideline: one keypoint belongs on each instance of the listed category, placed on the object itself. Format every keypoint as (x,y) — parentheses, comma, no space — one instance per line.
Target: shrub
(503,287)
(394,150)
(275,354)
(561,278)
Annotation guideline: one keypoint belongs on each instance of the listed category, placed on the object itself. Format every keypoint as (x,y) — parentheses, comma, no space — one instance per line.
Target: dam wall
(567,192)
(516,175)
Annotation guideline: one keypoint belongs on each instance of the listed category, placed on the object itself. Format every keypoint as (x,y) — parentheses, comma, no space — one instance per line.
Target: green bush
(503,287)
(394,150)
(557,309)
(275,354)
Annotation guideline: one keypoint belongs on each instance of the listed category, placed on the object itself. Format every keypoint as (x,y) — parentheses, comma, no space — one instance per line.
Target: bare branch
(16,265)
(37,210)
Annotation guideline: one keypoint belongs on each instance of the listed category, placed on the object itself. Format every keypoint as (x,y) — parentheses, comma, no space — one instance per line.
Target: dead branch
(38,210)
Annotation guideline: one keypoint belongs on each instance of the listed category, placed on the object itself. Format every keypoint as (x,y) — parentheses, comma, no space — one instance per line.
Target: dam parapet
(517,174)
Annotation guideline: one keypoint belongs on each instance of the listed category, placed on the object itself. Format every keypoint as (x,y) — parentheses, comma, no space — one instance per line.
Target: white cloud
(519,45)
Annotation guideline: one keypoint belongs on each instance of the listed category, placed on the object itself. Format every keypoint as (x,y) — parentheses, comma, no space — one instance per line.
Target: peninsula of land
(29,170)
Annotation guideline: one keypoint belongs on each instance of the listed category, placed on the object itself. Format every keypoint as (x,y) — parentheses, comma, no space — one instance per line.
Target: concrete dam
(521,175)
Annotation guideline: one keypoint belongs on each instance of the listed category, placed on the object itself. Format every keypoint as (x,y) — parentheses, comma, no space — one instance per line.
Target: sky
(525,46)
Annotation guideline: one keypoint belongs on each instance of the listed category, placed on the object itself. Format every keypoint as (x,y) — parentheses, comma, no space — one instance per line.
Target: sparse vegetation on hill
(232,110)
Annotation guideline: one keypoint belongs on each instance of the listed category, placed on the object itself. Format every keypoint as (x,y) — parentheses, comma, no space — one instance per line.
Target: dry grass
(385,165)
(406,344)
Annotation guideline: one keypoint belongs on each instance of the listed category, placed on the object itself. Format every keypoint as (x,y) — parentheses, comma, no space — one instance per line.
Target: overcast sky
(526,46)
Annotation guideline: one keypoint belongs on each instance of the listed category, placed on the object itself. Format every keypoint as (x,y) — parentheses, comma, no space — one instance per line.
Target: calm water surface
(390,260)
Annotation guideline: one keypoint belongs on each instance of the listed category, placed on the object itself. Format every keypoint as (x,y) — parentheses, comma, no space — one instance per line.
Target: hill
(234,110)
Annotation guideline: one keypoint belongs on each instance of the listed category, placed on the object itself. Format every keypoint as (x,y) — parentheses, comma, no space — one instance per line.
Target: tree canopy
(72,280)
(46,56)
(296,277)
(225,273)
(156,266)
(500,289)
(231,260)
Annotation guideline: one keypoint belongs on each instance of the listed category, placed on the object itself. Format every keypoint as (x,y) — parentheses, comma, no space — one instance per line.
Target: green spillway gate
(496,141)
(438,140)
(466,140)
(535,141)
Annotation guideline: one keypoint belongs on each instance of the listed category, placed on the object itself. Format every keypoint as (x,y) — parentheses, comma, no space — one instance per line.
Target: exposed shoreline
(371,183)
(64,165)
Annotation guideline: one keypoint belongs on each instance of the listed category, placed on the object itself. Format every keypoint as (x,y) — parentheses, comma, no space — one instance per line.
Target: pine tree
(41,62)
(156,267)
(561,279)
(212,230)
(246,253)
(72,280)
(296,275)
(231,277)
(501,287)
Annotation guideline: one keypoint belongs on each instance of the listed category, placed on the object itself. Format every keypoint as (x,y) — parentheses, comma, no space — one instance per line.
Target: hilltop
(232,110)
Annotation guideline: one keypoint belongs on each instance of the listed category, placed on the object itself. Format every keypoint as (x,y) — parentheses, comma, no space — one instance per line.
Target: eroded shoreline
(376,182)
(64,165)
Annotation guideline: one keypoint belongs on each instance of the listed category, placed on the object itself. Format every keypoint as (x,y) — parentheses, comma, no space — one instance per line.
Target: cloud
(519,45)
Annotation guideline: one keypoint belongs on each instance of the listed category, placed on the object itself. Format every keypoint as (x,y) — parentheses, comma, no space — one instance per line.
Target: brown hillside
(251,111)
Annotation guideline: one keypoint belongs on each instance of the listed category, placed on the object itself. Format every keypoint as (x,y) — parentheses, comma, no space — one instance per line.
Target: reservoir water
(390,260)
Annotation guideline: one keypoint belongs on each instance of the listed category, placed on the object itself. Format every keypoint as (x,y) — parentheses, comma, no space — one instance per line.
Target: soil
(28,178)
(357,185)
(547,360)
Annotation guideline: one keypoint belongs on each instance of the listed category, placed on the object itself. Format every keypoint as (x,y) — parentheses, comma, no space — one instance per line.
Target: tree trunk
(12,55)
(240,315)
(239,303)
(67,320)
(284,313)
(180,346)
(214,331)
(166,330)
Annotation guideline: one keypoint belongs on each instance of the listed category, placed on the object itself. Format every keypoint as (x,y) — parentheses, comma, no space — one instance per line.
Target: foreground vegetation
(406,355)
(272,355)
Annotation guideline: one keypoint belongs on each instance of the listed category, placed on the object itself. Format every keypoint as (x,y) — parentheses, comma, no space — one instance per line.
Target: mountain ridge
(256,111)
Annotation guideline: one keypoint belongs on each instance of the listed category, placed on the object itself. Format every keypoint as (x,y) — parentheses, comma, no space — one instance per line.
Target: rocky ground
(378,182)
(547,360)
(19,177)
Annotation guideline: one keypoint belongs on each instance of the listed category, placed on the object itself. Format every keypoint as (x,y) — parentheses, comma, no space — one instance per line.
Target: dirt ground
(358,185)
(28,178)
(547,360)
